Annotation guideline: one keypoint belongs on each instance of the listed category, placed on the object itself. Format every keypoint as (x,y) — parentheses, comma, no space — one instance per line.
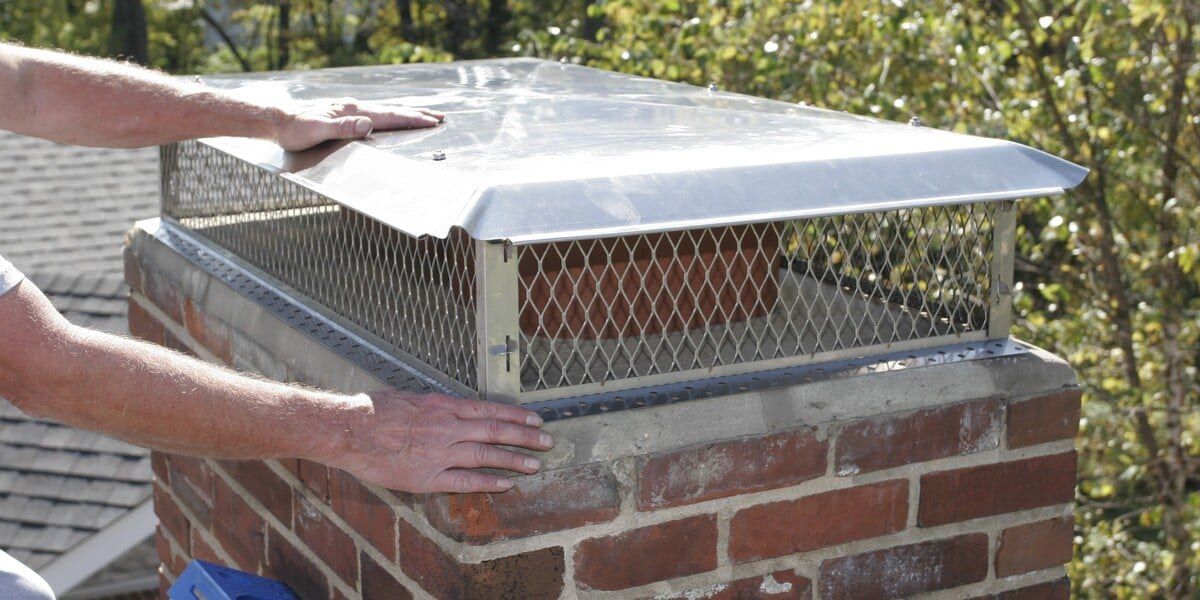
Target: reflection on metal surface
(546,151)
(566,408)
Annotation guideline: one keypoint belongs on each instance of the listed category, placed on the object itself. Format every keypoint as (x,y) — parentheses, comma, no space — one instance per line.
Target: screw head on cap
(439,155)
(712,86)
(915,121)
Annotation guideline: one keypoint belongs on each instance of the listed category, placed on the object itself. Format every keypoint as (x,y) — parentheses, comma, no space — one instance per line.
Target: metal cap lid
(540,151)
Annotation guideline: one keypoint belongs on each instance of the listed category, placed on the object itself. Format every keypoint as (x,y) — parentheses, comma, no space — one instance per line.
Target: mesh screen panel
(606,310)
(594,311)
(417,295)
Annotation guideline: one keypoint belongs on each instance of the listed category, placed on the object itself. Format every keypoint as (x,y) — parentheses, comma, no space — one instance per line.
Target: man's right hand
(433,443)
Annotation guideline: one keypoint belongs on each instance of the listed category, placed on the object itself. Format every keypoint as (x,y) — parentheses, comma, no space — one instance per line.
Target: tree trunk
(591,25)
(129,39)
(498,18)
(283,41)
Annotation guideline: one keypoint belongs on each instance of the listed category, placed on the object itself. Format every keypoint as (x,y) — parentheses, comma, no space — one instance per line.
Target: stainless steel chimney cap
(545,151)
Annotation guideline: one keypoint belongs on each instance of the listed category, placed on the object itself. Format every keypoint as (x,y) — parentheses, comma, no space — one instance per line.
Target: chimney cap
(545,151)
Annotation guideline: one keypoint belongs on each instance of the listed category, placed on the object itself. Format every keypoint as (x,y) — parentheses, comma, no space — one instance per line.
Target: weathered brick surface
(1034,546)
(170,517)
(973,492)
(264,485)
(780,585)
(172,561)
(158,464)
(730,467)
(1059,589)
(906,570)
(332,545)
(239,529)
(781,528)
(548,501)
(648,554)
(314,476)
(537,574)
(192,484)
(365,512)
(202,551)
(378,584)
(143,326)
(1044,419)
(287,564)
(892,441)
(207,331)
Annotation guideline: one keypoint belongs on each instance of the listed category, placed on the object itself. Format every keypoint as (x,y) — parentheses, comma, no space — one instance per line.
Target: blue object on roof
(206,581)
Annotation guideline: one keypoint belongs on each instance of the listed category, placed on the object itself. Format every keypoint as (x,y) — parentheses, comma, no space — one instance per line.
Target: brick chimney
(754,396)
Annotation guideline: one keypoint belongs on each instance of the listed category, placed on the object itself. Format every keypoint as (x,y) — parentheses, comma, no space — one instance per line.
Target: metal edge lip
(761,381)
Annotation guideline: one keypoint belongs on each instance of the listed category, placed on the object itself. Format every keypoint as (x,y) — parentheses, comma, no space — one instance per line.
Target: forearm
(94,102)
(153,397)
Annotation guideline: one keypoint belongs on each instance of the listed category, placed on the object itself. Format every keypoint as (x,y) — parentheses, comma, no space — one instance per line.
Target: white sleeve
(9,276)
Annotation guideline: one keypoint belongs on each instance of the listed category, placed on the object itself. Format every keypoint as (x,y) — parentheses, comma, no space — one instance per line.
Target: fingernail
(533,421)
(362,127)
(533,464)
(546,439)
(505,484)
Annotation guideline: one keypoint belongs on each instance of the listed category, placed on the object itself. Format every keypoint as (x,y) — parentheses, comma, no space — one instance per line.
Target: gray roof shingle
(63,215)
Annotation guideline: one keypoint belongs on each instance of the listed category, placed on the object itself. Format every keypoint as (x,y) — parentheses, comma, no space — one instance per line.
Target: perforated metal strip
(398,374)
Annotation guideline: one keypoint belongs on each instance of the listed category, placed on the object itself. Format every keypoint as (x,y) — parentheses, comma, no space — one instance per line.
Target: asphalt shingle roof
(63,215)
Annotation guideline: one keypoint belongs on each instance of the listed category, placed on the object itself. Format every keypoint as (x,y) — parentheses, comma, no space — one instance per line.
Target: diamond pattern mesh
(605,310)
(417,295)
(594,311)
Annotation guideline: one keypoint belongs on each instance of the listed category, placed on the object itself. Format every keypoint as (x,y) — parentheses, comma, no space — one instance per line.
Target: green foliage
(1109,276)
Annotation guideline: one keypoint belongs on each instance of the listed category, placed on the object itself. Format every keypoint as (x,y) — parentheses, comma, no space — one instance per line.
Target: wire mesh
(416,295)
(595,311)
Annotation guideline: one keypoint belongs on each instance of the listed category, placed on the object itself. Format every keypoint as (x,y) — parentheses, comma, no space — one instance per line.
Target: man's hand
(431,443)
(348,119)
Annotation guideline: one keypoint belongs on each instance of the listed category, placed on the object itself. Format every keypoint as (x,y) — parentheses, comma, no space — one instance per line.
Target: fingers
(491,431)
(473,455)
(476,409)
(406,119)
(349,128)
(463,481)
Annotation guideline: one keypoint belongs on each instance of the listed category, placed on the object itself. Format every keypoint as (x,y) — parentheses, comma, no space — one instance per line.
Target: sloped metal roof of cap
(542,151)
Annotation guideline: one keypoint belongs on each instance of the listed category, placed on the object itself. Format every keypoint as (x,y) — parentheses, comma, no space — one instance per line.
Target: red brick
(892,441)
(837,517)
(170,517)
(171,560)
(1044,419)
(366,513)
(973,492)
(192,487)
(207,331)
(378,584)
(287,564)
(537,574)
(158,464)
(729,468)
(314,476)
(164,584)
(654,553)
(143,326)
(780,585)
(332,545)
(264,485)
(239,530)
(425,563)
(1059,589)
(202,551)
(1035,546)
(548,501)
(907,570)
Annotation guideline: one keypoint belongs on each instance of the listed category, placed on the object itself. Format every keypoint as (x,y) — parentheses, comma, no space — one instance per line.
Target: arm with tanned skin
(162,399)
